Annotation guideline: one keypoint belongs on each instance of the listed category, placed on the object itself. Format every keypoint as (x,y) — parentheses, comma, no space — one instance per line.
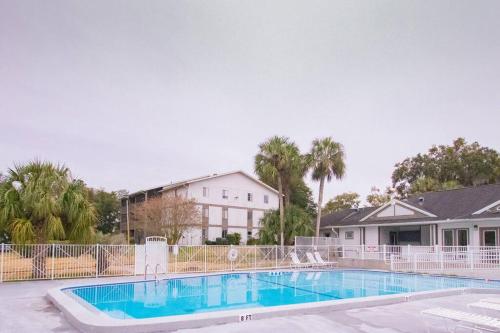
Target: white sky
(132,94)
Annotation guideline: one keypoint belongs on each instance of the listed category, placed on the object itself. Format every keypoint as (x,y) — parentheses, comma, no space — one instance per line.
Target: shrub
(252,241)
(234,239)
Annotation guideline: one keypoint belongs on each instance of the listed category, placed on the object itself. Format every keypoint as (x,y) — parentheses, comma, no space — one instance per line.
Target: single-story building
(459,217)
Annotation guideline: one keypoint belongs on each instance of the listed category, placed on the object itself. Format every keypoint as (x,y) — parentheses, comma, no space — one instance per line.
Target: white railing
(449,259)
(57,261)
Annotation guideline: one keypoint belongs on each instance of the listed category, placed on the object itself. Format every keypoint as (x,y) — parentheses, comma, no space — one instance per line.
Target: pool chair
(494,300)
(486,308)
(296,262)
(311,260)
(320,260)
(466,320)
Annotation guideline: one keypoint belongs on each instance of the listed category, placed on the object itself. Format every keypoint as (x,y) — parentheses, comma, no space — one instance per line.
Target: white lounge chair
(296,262)
(311,260)
(485,305)
(494,300)
(320,260)
(473,321)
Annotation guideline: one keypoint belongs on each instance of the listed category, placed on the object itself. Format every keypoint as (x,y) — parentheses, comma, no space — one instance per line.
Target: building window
(266,199)
(224,213)
(349,235)
(455,237)
(249,197)
(224,233)
(225,194)
(205,211)
(205,192)
(448,237)
(463,237)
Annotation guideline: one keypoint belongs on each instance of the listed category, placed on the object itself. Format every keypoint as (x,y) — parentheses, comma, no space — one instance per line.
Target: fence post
(409,249)
(343,252)
(384,251)
(230,261)
(392,262)
(441,260)
(255,257)
(276,257)
(53,261)
(2,252)
(205,256)
(471,257)
(415,262)
(97,260)
(362,252)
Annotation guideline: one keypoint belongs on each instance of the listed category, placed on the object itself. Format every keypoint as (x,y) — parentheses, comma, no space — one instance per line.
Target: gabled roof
(399,203)
(454,204)
(181,183)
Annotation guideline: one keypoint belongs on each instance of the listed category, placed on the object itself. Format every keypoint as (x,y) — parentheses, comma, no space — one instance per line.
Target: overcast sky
(133,94)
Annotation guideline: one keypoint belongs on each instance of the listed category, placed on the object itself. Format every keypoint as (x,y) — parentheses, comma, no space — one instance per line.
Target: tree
(376,198)
(301,196)
(278,159)
(107,207)
(425,184)
(326,160)
(460,164)
(40,203)
(166,215)
(342,201)
(297,223)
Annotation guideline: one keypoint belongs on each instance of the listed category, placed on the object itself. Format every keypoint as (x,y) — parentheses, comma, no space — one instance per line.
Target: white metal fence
(57,261)
(448,259)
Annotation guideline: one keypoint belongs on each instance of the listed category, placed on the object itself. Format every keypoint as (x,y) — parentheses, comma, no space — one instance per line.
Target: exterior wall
(237,218)
(214,233)
(354,241)
(237,204)
(425,235)
(238,187)
(371,235)
(191,237)
(257,215)
(474,234)
(214,216)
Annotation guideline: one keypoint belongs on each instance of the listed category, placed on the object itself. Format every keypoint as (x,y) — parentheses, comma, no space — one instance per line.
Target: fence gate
(156,255)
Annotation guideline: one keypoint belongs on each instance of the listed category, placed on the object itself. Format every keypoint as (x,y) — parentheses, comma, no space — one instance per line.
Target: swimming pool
(243,291)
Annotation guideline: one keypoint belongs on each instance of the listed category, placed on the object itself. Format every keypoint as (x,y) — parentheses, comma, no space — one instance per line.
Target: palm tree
(326,160)
(276,159)
(40,203)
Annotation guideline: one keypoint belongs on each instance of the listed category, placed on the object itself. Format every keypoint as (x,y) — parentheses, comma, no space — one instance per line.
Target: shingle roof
(452,204)
(197,179)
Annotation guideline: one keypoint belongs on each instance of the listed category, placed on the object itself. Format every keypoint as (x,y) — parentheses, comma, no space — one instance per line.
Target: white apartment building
(232,202)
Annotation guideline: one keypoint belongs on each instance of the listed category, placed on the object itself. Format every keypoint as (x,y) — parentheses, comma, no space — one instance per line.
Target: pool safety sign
(245,317)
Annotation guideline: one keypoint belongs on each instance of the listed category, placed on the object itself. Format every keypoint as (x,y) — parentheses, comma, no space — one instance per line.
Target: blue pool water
(239,291)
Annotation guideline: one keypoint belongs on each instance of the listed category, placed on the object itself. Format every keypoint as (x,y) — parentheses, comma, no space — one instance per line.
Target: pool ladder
(156,272)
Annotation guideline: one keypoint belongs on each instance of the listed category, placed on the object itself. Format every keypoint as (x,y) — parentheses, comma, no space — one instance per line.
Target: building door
(489,237)
(393,238)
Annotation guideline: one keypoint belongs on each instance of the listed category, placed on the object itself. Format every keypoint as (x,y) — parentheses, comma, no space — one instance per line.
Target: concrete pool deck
(24,308)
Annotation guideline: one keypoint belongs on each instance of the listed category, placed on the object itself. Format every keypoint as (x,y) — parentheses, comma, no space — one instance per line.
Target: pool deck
(24,308)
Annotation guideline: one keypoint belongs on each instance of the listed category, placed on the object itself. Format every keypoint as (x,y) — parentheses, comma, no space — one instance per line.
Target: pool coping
(87,319)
